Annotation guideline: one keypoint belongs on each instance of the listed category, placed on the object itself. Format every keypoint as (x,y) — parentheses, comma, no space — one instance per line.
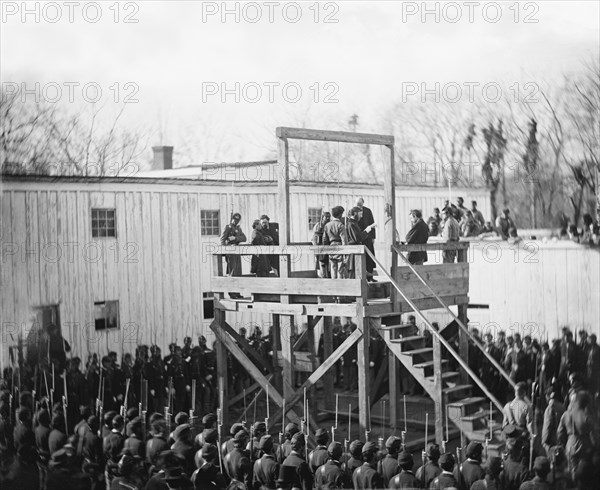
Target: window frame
(216,228)
(95,221)
(313,208)
(106,323)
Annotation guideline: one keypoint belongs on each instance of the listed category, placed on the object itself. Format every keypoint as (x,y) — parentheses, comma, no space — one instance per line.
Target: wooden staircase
(469,413)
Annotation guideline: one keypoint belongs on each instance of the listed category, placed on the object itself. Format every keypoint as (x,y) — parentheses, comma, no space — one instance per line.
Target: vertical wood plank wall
(158,265)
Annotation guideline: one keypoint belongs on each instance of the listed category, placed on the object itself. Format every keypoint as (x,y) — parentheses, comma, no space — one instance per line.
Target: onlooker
(477,216)
(504,223)
(418,234)
(450,233)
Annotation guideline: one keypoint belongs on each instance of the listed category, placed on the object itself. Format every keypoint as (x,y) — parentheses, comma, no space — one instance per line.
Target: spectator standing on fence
(450,233)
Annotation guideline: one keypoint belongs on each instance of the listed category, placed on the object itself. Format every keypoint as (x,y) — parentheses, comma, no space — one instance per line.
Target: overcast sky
(176,51)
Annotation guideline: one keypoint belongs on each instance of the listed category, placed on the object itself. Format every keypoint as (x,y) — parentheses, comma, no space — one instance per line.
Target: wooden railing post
(438,400)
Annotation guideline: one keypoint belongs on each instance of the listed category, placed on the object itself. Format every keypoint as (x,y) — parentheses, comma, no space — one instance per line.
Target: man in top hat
(431,469)
(266,469)
(406,478)
(331,475)
(541,468)
(388,467)
(284,450)
(470,470)
(366,477)
(354,461)
(236,462)
(446,478)
(303,477)
(318,456)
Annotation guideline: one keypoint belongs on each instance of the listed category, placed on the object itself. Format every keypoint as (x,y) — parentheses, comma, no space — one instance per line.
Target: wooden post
(389,190)
(328,381)
(287,355)
(276,343)
(222,382)
(283,189)
(463,342)
(438,399)
(364,388)
(393,385)
(315,364)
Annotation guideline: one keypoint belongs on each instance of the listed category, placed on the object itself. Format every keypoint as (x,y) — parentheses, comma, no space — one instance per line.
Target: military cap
(298,440)
(541,465)
(511,431)
(181,431)
(433,451)
(369,447)
(181,418)
(209,419)
(393,442)
(405,458)
(240,436)
(260,427)
(266,443)
(447,461)
(474,450)
(335,451)
(356,448)
(132,413)
(211,436)
(108,416)
(235,428)
(291,428)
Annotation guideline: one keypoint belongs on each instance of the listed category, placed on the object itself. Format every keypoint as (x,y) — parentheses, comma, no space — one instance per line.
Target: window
(106,315)
(208,305)
(314,216)
(103,222)
(209,222)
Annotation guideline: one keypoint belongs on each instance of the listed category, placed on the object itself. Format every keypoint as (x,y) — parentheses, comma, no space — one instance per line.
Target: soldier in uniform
(156,382)
(354,461)
(388,467)
(541,468)
(330,475)
(365,477)
(228,445)
(284,450)
(209,422)
(470,470)
(175,372)
(266,469)
(514,472)
(406,478)
(302,475)
(236,461)
(318,456)
(157,442)
(446,478)
(208,476)
(552,416)
(253,446)
(431,469)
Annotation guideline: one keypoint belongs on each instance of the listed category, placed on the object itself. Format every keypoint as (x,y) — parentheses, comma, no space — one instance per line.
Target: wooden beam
(323,368)
(294,250)
(251,368)
(222,381)
(429,247)
(246,346)
(286,286)
(463,342)
(364,390)
(338,136)
(329,376)
(283,190)
(438,399)
(312,322)
(287,355)
(389,203)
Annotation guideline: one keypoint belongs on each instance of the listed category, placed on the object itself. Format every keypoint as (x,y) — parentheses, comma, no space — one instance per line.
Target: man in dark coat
(318,456)
(406,478)
(366,477)
(237,462)
(446,478)
(183,446)
(430,470)
(418,234)
(233,235)
(284,450)
(208,476)
(354,461)
(302,475)
(365,221)
(266,469)
(470,470)
(355,235)
(388,467)
(541,468)
(514,472)
(330,475)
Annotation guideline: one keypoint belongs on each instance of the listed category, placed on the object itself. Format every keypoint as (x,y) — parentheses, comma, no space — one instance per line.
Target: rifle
(334,427)
(282,426)
(143,406)
(98,398)
(447,438)
(267,417)
(533,424)
(219,429)
(403,433)
(192,410)
(65,402)
(424,452)
(367,432)
(127,383)
(488,440)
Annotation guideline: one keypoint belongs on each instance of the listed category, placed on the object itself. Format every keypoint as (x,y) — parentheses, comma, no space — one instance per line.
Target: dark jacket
(405,479)
(418,234)
(303,476)
(266,472)
(330,476)
(365,477)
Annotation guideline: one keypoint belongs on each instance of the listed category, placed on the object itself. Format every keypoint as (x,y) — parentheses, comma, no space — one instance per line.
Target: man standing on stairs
(417,235)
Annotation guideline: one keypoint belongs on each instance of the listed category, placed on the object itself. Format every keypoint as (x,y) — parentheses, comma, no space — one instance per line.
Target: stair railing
(435,333)
(489,357)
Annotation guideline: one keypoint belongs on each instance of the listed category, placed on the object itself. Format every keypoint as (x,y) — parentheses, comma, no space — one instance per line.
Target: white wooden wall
(159,264)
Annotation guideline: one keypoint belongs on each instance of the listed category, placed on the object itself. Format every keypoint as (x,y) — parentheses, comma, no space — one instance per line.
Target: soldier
(318,456)
(237,463)
(302,475)
(175,372)
(112,445)
(514,472)
(491,480)
(355,460)
(552,416)
(406,478)
(208,421)
(446,478)
(266,469)
(233,235)
(285,448)
(470,470)
(253,449)
(388,467)
(228,445)
(366,477)
(541,468)
(518,411)
(430,470)
(157,442)
(186,351)
(156,383)
(208,476)
(183,446)
(134,444)
(330,475)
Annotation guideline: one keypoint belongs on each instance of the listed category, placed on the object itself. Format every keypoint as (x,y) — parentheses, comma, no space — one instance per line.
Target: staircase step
(453,390)
(398,326)
(419,352)
(446,376)
(412,338)
(423,365)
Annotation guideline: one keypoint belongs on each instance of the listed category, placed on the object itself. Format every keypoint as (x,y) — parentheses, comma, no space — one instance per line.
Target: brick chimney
(163,157)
